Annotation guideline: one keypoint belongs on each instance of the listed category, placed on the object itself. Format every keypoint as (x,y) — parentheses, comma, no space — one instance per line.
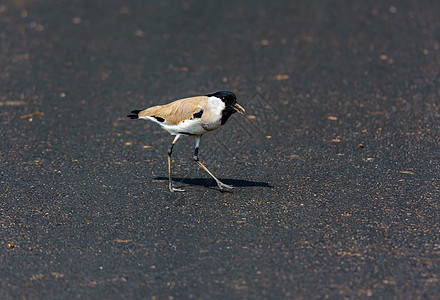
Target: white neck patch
(216,105)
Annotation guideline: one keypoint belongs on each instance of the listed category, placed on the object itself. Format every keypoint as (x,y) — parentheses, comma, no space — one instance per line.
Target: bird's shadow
(208,182)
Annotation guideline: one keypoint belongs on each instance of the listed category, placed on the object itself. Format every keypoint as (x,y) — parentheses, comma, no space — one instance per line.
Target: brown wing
(177,111)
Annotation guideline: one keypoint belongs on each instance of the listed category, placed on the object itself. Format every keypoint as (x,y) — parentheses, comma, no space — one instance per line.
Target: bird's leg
(220,184)
(170,151)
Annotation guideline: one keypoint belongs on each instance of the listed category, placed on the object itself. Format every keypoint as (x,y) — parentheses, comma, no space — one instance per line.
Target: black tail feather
(136,113)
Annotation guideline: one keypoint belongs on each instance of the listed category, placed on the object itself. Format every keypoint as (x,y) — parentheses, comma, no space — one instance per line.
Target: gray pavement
(335,167)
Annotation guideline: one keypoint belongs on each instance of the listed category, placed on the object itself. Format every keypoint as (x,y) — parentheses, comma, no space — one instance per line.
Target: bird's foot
(173,189)
(224,187)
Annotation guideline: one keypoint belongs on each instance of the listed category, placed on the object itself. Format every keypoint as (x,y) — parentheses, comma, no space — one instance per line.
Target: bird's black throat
(226,113)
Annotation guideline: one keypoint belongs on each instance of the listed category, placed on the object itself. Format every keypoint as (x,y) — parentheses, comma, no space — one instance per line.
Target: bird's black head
(227,97)
(231,105)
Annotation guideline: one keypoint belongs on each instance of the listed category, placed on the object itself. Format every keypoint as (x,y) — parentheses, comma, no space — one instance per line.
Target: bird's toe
(173,189)
(223,186)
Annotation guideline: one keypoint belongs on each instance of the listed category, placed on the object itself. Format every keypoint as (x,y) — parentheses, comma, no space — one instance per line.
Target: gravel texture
(335,167)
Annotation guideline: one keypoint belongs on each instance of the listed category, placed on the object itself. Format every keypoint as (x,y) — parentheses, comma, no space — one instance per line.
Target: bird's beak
(239,108)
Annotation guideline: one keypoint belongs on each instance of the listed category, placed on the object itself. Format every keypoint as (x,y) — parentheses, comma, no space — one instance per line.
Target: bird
(192,116)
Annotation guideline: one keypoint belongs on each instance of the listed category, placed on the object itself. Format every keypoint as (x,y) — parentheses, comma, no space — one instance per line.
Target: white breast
(215,106)
(213,116)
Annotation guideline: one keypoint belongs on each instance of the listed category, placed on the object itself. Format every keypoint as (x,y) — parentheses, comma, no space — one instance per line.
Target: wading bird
(194,117)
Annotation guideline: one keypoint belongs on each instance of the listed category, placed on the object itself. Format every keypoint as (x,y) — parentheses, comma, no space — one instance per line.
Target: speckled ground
(336,166)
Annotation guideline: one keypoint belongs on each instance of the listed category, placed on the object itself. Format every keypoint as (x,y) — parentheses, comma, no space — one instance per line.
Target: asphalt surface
(335,167)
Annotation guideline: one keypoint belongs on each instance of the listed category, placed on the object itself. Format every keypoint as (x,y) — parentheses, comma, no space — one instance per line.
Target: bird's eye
(223,98)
